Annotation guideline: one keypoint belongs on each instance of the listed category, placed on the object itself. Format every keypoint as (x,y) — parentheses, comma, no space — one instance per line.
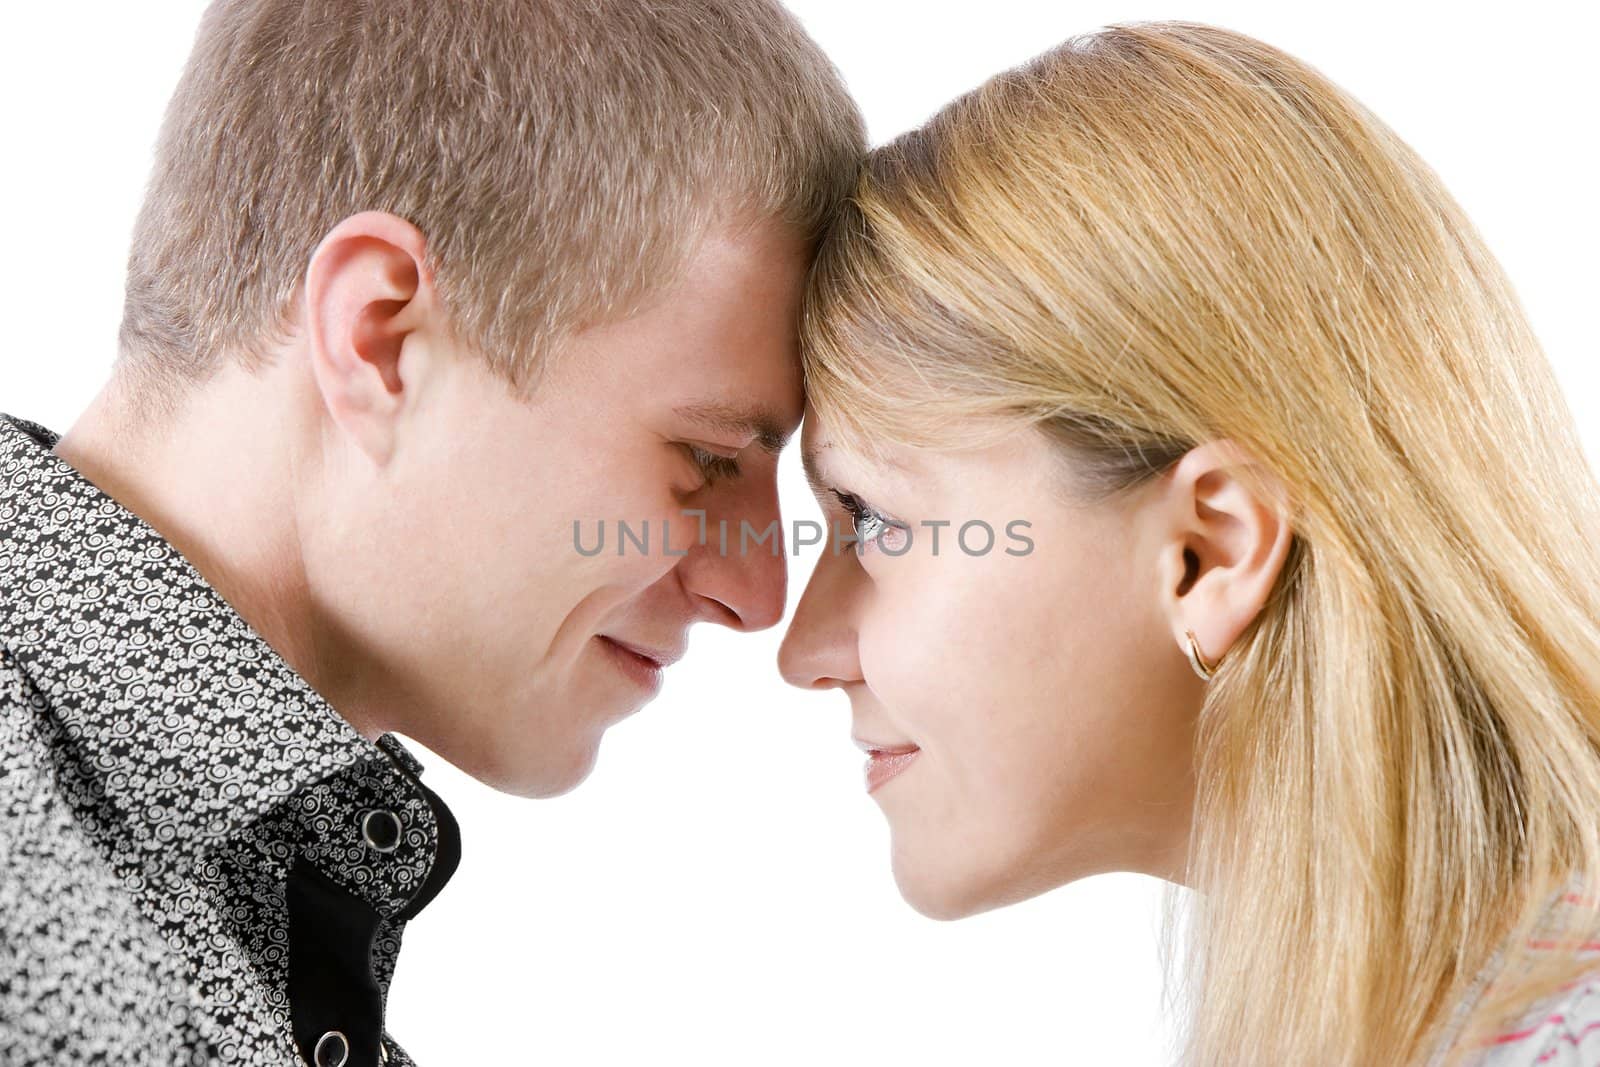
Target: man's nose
(820,649)
(738,576)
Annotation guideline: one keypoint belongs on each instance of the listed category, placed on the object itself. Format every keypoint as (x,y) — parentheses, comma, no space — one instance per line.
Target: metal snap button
(381,830)
(332,1050)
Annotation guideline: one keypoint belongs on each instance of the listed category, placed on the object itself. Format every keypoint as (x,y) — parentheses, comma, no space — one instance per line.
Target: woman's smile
(885,762)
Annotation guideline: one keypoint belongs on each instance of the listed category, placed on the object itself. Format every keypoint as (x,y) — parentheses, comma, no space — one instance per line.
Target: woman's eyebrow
(817,478)
(811,462)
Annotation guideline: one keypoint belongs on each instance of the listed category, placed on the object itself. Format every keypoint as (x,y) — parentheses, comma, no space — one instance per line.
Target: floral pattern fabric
(169,787)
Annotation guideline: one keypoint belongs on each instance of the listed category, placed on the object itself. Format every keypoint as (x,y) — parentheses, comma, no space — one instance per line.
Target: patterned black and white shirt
(200,861)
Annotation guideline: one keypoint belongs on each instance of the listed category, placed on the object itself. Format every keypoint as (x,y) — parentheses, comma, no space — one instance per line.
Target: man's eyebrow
(737,420)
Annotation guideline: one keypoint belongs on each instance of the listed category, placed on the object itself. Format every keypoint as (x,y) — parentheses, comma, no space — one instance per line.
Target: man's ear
(1224,543)
(367,293)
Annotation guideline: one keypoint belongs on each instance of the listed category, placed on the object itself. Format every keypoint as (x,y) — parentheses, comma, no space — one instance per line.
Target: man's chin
(539,767)
(541,778)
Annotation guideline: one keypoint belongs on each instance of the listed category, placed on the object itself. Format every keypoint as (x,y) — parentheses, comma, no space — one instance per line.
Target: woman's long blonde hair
(1164,233)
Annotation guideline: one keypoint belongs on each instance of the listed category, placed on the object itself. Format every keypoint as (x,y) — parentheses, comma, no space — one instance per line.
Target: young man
(417,293)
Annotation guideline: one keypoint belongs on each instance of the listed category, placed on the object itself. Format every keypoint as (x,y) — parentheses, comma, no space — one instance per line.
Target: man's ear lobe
(367,291)
(1228,542)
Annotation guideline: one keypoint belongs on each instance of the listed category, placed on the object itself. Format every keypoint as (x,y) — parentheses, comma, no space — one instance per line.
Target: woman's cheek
(878,657)
(904,664)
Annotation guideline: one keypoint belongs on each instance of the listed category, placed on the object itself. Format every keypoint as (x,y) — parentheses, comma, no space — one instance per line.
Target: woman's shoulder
(1563,1030)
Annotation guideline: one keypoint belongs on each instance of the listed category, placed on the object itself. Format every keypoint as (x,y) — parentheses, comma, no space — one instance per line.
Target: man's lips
(658,657)
(641,664)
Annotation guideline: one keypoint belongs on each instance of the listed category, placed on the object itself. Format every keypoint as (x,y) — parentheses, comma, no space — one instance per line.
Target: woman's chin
(936,890)
(942,895)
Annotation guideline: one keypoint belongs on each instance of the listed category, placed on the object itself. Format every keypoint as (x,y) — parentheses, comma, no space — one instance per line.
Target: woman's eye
(867,522)
(714,467)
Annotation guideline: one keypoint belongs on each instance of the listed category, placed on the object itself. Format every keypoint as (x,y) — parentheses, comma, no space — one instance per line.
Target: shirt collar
(145,665)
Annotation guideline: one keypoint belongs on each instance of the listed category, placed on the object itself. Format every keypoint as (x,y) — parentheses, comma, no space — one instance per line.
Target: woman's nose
(819,650)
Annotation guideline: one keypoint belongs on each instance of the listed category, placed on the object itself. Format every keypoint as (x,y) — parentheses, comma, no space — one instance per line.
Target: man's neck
(219,481)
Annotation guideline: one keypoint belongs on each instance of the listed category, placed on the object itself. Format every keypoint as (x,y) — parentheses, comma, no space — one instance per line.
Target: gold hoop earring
(1200,666)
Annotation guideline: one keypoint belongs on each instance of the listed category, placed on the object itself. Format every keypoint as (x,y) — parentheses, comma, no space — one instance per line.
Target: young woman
(1220,519)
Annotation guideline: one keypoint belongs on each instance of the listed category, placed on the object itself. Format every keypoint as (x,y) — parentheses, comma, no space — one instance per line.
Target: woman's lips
(883,765)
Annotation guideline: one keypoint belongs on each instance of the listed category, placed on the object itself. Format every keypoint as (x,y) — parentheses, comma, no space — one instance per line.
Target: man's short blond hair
(559,156)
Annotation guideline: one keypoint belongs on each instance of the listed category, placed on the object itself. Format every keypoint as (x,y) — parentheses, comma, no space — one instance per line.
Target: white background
(718,891)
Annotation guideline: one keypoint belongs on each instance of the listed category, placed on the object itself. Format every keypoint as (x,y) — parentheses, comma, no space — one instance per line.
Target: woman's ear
(1224,543)
(367,293)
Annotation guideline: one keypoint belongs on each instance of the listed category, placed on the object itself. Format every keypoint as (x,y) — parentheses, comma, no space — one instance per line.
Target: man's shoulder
(84,976)
(60,898)
(27,762)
